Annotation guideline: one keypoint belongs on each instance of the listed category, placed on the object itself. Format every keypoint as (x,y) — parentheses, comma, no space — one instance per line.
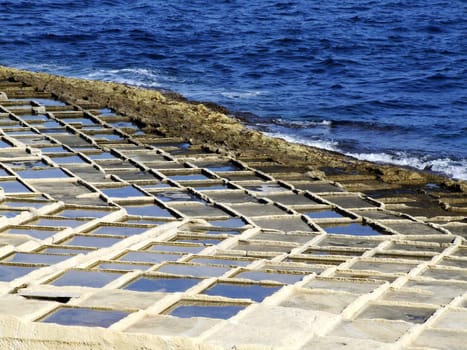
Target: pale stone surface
(319,300)
(14,305)
(442,339)
(122,299)
(455,319)
(19,335)
(127,213)
(280,326)
(172,326)
(344,343)
(378,330)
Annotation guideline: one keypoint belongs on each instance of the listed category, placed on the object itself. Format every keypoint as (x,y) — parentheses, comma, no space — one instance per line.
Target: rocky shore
(135,219)
(170,114)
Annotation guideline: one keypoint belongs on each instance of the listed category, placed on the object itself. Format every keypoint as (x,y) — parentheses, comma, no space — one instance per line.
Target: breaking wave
(301,123)
(132,76)
(456,169)
(329,145)
(288,67)
(240,94)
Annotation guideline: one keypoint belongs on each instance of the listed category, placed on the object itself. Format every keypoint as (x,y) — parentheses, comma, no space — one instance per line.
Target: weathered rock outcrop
(171,115)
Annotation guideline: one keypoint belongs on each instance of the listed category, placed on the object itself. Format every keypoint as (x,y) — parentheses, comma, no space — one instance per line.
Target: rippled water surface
(381,80)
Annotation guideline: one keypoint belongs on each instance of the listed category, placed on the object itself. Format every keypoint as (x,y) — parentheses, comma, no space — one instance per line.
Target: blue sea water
(380,80)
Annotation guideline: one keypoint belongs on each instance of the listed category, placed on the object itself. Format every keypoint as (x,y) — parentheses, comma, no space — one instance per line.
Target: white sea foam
(151,78)
(302,123)
(155,79)
(456,169)
(452,168)
(240,95)
(329,145)
(43,67)
(132,76)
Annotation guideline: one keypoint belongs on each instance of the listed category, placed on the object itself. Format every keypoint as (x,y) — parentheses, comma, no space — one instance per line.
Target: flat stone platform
(122,232)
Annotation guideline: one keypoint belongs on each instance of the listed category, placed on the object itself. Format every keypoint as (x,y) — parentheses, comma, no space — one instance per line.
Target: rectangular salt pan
(162,284)
(255,292)
(85,278)
(84,317)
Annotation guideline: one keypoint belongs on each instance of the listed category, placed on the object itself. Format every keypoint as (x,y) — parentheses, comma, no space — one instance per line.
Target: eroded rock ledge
(116,237)
(171,116)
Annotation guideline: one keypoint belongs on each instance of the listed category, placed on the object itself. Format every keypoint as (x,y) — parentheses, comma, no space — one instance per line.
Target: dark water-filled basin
(149,257)
(231,222)
(35,258)
(175,196)
(147,210)
(193,239)
(122,192)
(91,241)
(121,230)
(84,213)
(226,261)
(177,247)
(68,250)
(256,292)
(115,265)
(42,173)
(25,203)
(197,270)
(162,284)
(323,214)
(211,310)
(9,272)
(85,278)
(59,222)
(68,316)
(352,229)
(286,278)
(14,187)
(49,102)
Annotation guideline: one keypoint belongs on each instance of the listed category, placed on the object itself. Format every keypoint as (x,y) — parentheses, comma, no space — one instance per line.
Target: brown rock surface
(197,233)
(171,115)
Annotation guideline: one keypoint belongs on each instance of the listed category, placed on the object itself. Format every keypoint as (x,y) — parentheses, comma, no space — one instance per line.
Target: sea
(380,80)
